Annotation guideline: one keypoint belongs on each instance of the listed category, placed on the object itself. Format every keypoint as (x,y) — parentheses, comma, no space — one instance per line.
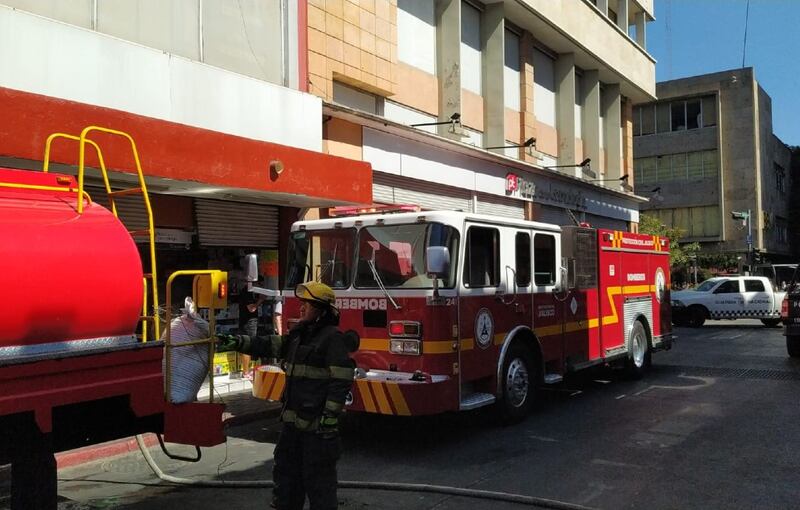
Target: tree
(679,255)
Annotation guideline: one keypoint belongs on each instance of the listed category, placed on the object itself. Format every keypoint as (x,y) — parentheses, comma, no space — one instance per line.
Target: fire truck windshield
(393,256)
(321,255)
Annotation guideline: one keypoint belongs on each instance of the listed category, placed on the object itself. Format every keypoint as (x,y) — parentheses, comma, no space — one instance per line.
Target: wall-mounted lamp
(585,166)
(454,119)
(528,144)
(623,181)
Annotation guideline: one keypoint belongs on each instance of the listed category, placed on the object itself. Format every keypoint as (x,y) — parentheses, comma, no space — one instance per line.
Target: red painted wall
(177,151)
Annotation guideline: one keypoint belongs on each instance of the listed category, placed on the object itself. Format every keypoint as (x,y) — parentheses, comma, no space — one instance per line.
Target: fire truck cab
(458,311)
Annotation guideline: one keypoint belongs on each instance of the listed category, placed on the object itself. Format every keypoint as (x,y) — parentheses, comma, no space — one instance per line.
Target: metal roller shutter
(553,215)
(222,223)
(130,208)
(393,189)
(501,206)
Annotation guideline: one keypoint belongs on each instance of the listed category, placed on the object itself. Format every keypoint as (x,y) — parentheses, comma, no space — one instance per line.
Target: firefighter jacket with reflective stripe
(319,371)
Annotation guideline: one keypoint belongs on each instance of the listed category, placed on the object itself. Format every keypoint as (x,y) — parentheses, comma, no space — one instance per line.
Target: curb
(250,409)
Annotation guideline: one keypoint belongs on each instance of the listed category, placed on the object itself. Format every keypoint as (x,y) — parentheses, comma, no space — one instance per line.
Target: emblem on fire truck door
(661,284)
(484,328)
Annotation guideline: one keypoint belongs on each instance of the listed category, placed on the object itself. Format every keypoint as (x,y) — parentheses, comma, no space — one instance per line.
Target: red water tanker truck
(80,355)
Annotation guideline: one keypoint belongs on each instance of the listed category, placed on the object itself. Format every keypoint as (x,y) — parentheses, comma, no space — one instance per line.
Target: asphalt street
(714,424)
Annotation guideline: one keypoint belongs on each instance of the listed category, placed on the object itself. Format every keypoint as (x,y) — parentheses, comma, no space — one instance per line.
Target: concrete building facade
(521,91)
(706,150)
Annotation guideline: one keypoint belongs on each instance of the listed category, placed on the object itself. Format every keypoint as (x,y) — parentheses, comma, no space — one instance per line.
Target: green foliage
(680,255)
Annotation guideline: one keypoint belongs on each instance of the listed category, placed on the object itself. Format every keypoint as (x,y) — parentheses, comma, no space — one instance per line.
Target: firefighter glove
(227,343)
(328,426)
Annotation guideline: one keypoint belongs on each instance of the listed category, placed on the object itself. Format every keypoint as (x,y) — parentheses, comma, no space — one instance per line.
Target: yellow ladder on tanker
(149,313)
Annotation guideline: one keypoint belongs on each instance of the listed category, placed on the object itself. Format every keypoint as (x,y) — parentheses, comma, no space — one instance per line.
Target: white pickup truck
(731,297)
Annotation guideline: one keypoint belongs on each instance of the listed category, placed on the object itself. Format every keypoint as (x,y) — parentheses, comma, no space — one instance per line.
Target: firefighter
(319,374)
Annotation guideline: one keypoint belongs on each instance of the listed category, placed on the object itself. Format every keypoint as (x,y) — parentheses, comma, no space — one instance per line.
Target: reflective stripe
(335,407)
(345,373)
(308,372)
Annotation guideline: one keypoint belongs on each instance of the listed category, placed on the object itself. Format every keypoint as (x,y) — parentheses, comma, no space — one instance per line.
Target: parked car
(732,297)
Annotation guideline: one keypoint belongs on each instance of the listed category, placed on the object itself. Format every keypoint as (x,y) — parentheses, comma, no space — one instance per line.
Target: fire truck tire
(697,317)
(638,351)
(793,345)
(520,377)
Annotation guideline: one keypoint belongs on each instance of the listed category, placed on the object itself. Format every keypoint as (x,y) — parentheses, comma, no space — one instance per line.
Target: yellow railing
(142,189)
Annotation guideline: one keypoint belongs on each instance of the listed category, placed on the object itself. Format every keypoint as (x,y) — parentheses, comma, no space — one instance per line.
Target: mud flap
(194,423)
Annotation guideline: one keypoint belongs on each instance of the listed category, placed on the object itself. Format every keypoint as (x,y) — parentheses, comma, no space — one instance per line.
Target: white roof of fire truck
(453,218)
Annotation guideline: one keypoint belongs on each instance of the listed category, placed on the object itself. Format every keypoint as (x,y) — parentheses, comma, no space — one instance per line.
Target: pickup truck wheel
(638,352)
(793,345)
(771,323)
(697,316)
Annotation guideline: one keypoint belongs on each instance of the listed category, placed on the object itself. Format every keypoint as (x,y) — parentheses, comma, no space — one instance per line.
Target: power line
(746,18)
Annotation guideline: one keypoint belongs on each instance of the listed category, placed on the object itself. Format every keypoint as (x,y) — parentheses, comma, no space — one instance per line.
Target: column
(622,15)
(591,119)
(565,111)
(527,118)
(641,29)
(493,42)
(612,108)
(448,62)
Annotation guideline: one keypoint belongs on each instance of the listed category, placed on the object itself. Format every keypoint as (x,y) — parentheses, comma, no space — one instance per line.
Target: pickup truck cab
(731,297)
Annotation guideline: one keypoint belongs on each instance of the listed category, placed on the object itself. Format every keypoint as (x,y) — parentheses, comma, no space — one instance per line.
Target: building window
(544,85)
(482,265)
(709,111)
(676,167)
(511,69)
(416,34)
(663,118)
(780,178)
(471,67)
(357,99)
(648,119)
(781,230)
(678,115)
(696,222)
(693,114)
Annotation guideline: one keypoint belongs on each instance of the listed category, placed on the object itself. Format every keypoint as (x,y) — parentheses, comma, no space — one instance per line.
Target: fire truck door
(487,308)
(548,305)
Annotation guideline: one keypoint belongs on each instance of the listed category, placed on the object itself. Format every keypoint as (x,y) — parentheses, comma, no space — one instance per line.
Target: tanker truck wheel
(793,345)
(520,378)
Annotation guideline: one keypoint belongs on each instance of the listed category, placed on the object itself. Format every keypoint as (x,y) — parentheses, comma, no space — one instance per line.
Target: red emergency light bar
(372,209)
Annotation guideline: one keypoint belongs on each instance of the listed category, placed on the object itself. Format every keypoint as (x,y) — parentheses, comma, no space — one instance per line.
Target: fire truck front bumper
(378,391)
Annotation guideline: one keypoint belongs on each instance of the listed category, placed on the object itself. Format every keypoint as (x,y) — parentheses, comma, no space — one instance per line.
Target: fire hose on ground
(384,486)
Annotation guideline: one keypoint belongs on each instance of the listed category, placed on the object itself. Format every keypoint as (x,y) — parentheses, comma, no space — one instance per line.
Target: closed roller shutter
(553,215)
(393,189)
(222,223)
(501,206)
(130,208)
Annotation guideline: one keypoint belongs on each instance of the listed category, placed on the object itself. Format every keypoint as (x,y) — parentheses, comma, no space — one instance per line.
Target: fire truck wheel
(793,345)
(697,316)
(639,351)
(520,375)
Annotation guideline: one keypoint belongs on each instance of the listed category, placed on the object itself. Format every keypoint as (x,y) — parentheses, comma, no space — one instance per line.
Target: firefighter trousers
(305,465)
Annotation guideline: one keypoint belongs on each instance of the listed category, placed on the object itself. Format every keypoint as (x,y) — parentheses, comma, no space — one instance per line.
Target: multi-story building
(704,153)
(489,107)
(249,113)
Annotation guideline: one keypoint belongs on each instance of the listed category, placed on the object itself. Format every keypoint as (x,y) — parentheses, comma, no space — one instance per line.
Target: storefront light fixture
(585,166)
(455,120)
(528,144)
(623,181)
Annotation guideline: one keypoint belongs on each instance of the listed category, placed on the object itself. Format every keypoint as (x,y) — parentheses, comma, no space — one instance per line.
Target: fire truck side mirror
(437,260)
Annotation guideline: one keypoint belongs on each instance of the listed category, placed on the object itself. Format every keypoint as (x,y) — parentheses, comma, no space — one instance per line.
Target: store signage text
(525,188)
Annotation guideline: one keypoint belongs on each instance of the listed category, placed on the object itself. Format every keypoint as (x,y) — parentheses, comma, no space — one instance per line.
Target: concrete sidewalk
(240,408)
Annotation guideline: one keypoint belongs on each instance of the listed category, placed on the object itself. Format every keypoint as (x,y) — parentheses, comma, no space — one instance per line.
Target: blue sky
(691,37)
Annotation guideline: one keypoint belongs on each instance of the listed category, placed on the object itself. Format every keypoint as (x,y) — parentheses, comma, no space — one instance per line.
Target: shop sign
(526,188)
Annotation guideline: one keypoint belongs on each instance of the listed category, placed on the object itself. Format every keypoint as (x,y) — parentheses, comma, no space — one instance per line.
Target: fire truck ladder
(149,313)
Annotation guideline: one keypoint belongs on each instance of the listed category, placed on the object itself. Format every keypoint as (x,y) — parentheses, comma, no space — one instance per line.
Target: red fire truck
(80,360)
(458,311)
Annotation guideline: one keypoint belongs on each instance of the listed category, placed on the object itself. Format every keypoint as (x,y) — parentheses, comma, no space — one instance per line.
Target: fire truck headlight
(407,347)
